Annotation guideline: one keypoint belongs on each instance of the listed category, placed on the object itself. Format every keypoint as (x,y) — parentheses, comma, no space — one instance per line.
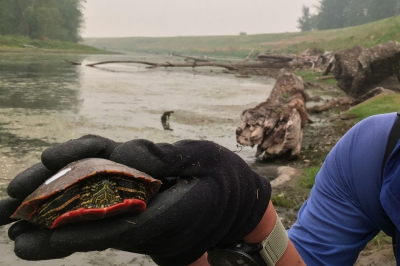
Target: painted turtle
(88,189)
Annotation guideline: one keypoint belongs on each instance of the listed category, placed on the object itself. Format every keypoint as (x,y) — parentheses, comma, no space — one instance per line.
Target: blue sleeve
(343,212)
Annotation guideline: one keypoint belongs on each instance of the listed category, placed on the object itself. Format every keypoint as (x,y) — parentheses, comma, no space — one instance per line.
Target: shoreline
(11,49)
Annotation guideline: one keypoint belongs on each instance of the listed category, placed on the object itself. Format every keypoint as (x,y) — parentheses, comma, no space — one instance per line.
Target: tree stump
(276,124)
(359,70)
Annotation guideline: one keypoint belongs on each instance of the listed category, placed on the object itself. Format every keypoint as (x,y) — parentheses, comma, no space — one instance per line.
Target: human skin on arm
(263,229)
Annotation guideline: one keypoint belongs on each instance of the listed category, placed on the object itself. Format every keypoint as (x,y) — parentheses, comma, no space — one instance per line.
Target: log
(73,63)
(359,70)
(328,69)
(334,103)
(275,125)
(237,66)
(276,57)
(325,77)
(195,59)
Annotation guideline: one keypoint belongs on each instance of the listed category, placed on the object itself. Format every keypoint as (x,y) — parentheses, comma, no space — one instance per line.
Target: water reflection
(33,88)
(19,146)
(34,82)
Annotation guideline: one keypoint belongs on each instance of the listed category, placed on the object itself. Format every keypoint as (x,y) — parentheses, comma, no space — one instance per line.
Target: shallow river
(45,100)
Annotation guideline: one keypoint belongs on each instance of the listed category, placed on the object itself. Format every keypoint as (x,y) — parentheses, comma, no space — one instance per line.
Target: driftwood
(264,65)
(233,66)
(276,124)
(372,93)
(73,63)
(193,59)
(359,70)
(334,103)
(305,60)
(325,77)
(329,68)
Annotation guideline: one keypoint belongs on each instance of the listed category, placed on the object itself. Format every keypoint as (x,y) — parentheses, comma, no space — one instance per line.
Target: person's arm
(262,230)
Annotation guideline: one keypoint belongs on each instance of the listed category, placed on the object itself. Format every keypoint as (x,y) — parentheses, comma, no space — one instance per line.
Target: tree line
(333,14)
(43,19)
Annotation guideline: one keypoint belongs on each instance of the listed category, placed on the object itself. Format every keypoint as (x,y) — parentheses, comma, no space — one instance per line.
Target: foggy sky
(151,18)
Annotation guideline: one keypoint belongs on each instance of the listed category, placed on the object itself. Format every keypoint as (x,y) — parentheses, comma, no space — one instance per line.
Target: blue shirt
(349,203)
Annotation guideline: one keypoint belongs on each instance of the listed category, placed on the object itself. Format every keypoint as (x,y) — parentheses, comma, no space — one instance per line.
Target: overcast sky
(125,18)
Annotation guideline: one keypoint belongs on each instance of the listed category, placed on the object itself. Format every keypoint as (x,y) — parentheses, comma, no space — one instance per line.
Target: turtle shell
(88,189)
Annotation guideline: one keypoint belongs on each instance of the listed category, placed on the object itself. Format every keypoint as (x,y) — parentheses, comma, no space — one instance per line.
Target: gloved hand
(216,199)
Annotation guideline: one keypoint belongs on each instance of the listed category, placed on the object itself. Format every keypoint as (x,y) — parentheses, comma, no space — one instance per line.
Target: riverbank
(367,35)
(23,44)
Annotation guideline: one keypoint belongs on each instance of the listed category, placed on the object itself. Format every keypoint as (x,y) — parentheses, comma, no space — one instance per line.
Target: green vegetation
(377,105)
(282,201)
(379,241)
(42,25)
(26,44)
(42,19)
(239,46)
(308,178)
(333,14)
(310,76)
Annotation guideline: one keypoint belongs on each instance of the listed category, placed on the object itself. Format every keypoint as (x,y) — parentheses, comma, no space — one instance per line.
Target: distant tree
(334,14)
(54,19)
(73,21)
(9,19)
(242,33)
(307,21)
(356,13)
(382,9)
(42,17)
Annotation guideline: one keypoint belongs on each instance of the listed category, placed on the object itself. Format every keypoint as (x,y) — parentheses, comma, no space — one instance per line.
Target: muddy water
(45,101)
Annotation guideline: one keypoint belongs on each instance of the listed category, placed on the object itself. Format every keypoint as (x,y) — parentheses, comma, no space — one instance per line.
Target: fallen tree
(232,66)
(359,70)
(264,64)
(275,125)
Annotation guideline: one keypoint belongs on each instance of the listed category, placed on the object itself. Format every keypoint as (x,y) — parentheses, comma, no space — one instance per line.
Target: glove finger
(7,208)
(89,146)
(36,245)
(122,231)
(19,228)
(27,181)
(183,158)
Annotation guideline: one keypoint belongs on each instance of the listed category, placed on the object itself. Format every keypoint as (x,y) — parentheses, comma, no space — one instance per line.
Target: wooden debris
(275,125)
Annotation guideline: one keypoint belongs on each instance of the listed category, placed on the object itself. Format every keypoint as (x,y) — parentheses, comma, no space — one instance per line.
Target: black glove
(216,200)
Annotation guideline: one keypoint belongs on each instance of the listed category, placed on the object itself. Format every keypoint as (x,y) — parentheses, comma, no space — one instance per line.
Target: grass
(310,76)
(239,46)
(282,201)
(308,178)
(17,44)
(377,105)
